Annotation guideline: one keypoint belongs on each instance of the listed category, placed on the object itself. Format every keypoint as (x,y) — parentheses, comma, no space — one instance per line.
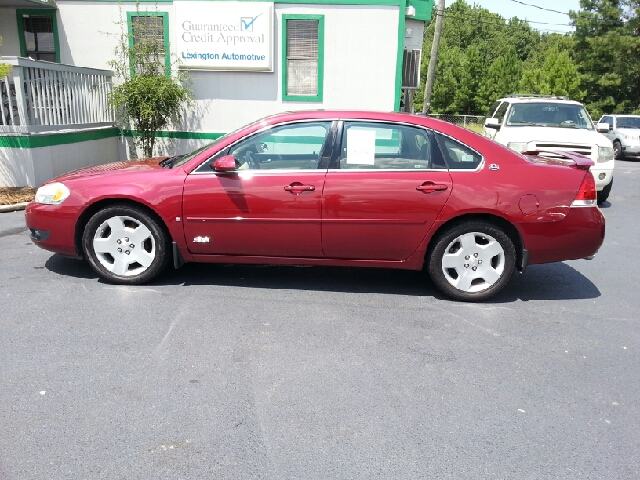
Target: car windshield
(547,114)
(628,122)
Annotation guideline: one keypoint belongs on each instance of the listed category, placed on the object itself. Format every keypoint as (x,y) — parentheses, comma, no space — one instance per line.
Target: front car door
(269,206)
(384,192)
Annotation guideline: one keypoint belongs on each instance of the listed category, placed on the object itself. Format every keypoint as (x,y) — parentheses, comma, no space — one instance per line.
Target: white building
(246,60)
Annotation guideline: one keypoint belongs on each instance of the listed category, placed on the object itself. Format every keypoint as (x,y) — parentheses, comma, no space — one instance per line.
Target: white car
(624,132)
(537,122)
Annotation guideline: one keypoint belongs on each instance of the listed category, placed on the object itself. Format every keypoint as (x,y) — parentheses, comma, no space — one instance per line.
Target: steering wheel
(250,158)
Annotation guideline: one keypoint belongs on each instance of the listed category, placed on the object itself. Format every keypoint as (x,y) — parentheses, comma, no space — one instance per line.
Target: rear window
(458,156)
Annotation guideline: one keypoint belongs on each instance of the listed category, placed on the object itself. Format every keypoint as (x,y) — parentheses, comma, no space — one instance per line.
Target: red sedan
(336,188)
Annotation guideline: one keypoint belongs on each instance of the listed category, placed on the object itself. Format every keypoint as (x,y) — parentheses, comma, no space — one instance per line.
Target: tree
(557,74)
(149,97)
(472,40)
(501,79)
(607,52)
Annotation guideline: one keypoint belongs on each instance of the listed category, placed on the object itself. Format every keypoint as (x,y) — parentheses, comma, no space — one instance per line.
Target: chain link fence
(472,122)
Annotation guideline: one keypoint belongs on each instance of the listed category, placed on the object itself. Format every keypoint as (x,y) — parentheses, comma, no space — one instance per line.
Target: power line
(505,24)
(539,8)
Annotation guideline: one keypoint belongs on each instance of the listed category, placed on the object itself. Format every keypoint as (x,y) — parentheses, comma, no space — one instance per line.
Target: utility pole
(433,61)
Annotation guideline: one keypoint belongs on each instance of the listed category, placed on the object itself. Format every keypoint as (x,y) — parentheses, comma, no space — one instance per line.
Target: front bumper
(603,173)
(631,150)
(52,227)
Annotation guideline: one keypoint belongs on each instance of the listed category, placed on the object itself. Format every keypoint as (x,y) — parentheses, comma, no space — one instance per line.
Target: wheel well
(91,211)
(509,229)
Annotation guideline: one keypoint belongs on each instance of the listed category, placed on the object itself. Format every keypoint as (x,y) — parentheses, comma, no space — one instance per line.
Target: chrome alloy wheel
(124,246)
(473,262)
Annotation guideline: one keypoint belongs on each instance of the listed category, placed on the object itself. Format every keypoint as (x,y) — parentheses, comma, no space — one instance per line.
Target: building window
(149,38)
(38,31)
(302,57)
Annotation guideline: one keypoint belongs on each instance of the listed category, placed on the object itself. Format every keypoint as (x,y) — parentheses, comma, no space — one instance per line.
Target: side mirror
(603,128)
(225,164)
(492,123)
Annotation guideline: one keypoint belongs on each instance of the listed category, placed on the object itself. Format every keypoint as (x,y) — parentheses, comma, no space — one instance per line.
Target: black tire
(142,242)
(484,237)
(618,154)
(604,193)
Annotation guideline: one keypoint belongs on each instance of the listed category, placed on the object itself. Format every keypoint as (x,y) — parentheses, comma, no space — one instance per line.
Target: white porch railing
(43,96)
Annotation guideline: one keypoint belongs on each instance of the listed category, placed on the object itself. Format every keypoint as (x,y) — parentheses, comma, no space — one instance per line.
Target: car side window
(492,109)
(457,155)
(388,147)
(501,111)
(287,147)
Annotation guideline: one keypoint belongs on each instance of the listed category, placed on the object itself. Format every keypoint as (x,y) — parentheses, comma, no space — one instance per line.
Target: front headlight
(605,154)
(52,194)
(518,146)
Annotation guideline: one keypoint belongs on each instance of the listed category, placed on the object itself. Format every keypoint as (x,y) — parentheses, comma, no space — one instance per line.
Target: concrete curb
(14,207)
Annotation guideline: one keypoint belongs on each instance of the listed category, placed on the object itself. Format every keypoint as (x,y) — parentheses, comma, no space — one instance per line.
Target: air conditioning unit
(411,69)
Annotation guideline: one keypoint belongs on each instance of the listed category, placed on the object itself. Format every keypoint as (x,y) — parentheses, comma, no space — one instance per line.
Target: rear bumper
(579,235)
(52,227)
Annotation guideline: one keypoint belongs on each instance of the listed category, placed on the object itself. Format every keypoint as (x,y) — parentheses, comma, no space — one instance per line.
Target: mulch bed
(11,195)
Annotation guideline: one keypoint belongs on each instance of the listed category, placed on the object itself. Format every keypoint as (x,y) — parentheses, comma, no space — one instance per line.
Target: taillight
(587,195)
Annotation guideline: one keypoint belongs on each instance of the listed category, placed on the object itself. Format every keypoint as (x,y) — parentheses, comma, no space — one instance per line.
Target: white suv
(538,122)
(624,132)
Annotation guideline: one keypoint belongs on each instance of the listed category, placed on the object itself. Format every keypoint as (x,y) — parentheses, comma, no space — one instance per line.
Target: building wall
(30,161)
(359,62)
(9,33)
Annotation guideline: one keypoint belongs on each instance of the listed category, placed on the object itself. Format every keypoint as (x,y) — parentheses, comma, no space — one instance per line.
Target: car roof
(616,115)
(399,117)
(540,100)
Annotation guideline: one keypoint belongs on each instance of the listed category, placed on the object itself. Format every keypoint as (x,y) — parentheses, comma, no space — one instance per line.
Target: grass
(475,127)
(12,195)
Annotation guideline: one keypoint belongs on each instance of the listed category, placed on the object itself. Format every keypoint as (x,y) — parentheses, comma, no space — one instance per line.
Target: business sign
(225,35)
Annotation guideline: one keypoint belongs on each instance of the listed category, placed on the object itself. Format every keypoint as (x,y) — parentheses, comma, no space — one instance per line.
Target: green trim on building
(300,98)
(179,135)
(400,55)
(40,12)
(53,139)
(423,9)
(50,140)
(165,26)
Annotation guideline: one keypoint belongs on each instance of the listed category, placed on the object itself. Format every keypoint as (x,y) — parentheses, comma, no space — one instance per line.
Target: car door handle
(430,187)
(296,188)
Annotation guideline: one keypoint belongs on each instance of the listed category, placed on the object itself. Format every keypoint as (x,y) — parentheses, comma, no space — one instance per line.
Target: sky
(510,8)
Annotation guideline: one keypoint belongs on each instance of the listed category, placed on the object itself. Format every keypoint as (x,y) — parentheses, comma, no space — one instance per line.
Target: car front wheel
(126,245)
(472,261)
(618,154)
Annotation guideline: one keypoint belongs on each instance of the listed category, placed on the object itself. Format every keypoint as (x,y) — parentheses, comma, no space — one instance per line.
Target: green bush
(148,98)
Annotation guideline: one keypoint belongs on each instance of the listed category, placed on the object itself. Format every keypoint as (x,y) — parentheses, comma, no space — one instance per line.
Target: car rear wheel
(618,154)
(472,261)
(125,245)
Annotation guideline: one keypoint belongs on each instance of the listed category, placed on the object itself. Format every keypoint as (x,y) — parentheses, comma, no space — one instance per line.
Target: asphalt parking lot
(241,372)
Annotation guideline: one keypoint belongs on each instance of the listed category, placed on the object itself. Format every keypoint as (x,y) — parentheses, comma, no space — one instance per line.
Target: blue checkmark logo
(246,23)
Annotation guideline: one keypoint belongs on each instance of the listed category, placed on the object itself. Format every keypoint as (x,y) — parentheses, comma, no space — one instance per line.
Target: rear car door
(383,193)
(269,206)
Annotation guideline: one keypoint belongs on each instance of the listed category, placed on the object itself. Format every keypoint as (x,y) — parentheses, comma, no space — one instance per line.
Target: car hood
(112,168)
(565,136)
